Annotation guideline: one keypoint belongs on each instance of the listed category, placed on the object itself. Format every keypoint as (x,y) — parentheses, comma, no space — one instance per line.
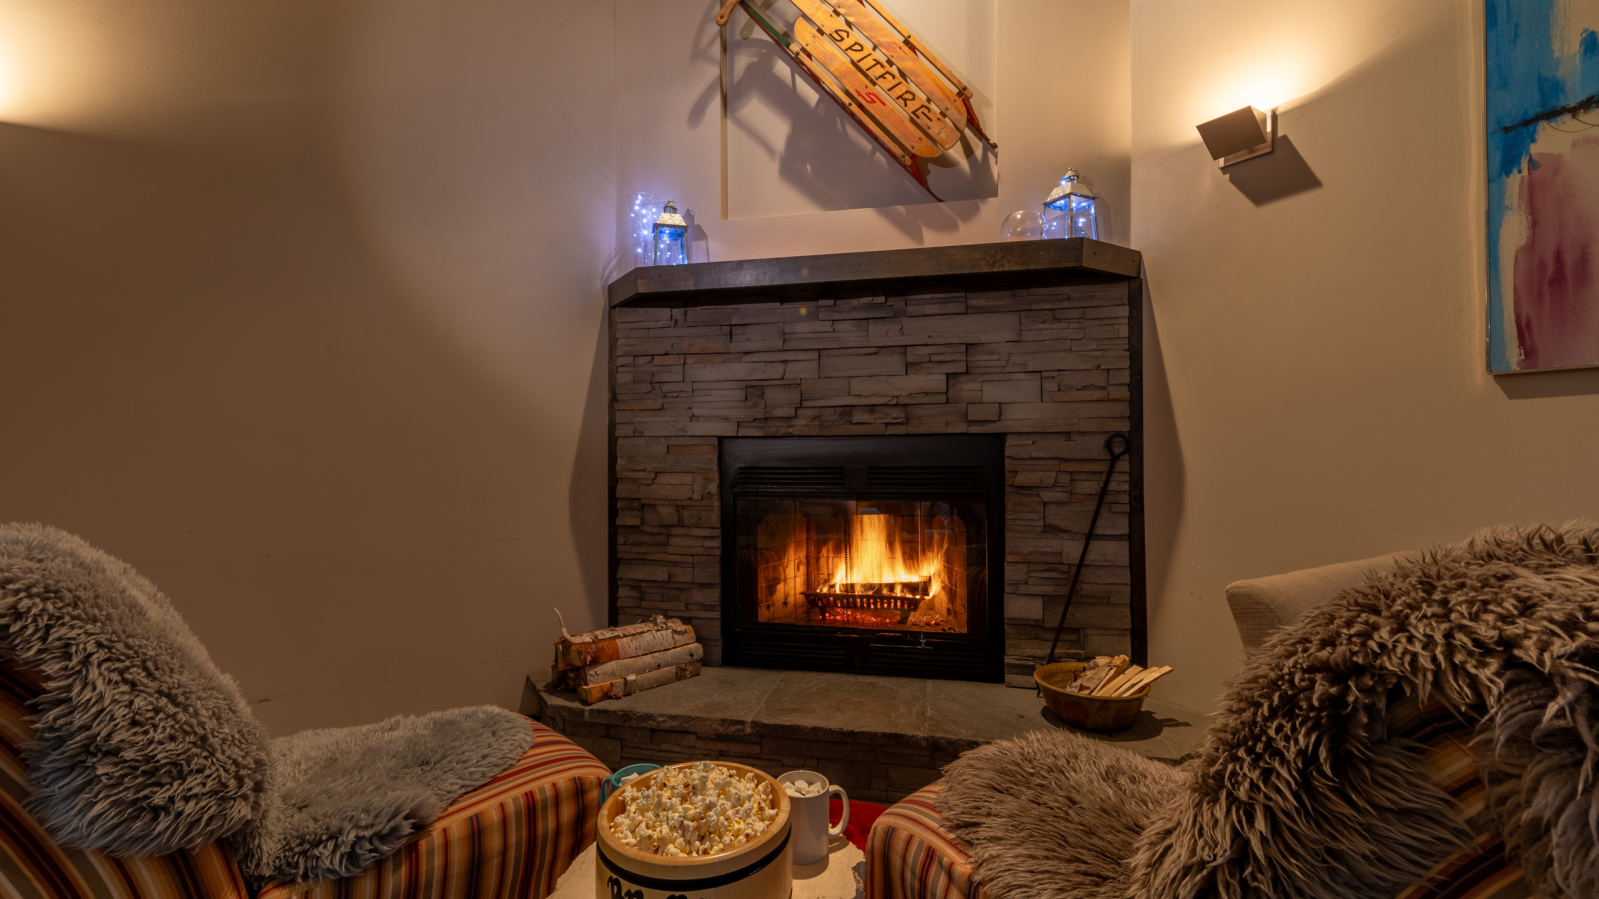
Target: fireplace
(1033,345)
(879,555)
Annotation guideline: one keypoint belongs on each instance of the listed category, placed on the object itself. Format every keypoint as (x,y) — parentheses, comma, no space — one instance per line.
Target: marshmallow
(801,789)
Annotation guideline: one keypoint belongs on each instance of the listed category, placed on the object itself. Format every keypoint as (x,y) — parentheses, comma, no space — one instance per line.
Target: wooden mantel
(991,265)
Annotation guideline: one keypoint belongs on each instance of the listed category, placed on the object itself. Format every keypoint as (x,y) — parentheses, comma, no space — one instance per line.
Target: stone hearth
(1031,340)
(881,738)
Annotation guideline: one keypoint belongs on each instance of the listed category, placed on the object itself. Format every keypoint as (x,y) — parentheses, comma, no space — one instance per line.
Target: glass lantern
(635,236)
(1073,202)
(671,237)
(1024,224)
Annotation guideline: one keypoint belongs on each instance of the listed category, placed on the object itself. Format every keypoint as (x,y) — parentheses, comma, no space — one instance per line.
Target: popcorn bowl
(760,869)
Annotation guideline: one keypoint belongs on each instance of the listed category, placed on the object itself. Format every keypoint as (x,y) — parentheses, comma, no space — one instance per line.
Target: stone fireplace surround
(1037,340)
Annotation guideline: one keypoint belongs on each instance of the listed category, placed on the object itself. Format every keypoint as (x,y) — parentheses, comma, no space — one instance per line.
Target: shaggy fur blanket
(1298,792)
(142,746)
(349,796)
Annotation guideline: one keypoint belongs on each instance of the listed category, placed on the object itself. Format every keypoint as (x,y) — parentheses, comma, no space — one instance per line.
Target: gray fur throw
(1298,792)
(352,795)
(142,746)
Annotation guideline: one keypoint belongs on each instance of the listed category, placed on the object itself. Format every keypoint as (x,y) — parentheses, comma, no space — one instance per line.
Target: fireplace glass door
(867,554)
(890,564)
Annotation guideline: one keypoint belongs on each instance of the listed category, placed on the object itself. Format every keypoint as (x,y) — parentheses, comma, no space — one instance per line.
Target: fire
(898,566)
(875,562)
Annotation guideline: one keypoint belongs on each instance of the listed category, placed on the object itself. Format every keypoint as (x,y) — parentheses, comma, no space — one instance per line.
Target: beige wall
(301,305)
(1316,367)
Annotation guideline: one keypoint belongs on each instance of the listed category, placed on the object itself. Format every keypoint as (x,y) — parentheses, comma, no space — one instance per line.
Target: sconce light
(671,237)
(1239,135)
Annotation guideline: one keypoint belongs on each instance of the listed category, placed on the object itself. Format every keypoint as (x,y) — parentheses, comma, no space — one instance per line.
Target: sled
(889,82)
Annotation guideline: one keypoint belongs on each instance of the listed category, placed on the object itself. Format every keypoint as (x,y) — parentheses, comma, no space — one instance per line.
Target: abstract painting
(1543,184)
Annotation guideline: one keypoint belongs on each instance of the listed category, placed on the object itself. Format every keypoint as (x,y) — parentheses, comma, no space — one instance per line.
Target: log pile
(618,661)
(1112,676)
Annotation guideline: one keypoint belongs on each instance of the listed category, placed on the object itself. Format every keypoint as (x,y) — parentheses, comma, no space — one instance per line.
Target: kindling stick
(1111,443)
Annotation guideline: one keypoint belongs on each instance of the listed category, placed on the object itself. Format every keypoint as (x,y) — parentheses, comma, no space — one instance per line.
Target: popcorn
(698,809)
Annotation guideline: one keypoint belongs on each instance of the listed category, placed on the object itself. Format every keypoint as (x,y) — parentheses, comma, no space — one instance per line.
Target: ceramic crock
(760,869)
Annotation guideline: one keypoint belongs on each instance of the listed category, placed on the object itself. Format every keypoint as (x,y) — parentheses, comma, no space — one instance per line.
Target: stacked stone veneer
(1047,367)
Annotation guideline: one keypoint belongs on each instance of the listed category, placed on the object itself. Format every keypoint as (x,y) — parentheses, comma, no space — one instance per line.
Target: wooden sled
(901,94)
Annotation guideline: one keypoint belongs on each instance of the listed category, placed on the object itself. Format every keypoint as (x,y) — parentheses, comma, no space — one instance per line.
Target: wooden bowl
(1102,713)
(760,869)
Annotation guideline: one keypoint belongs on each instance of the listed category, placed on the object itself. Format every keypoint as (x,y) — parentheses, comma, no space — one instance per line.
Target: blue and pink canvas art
(1543,184)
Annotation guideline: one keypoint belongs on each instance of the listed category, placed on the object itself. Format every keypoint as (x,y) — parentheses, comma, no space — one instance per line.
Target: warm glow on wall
(1269,55)
(1265,82)
(63,67)
(27,45)
(8,82)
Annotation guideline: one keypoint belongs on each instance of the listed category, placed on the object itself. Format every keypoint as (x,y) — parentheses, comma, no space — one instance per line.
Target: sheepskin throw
(1053,813)
(142,746)
(350,796)
(1298,793)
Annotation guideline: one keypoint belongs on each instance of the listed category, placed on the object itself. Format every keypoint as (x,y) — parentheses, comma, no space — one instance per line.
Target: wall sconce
(1239,135)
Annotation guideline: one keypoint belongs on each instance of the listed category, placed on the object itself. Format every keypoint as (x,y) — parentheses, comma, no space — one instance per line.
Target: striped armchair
(911,855)
(512,837)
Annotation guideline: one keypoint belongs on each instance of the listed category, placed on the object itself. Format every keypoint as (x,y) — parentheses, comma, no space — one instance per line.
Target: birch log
(1109,688)
(594,675)
(1099,672)
(616,689)
(1149,676)
(613,643)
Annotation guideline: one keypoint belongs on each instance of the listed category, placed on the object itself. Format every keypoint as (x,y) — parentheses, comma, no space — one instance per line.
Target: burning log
(613,643)
(898,596)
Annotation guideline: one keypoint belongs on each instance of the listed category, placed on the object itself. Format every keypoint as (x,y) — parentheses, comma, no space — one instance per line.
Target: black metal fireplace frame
(961,465)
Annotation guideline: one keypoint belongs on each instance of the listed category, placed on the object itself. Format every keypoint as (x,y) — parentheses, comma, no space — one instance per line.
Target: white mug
(809,830)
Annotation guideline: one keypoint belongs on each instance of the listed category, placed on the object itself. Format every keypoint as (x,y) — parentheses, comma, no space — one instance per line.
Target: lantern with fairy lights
(671,237)
(1074,200)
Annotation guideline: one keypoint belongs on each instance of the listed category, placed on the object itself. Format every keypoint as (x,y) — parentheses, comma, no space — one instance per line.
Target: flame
(902,570)
(876,561)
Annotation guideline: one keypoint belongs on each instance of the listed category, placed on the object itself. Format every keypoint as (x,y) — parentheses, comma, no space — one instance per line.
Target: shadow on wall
(1537,385)
(1165,481)
(591,472)
(1278,175)
(820,132)
(856,172)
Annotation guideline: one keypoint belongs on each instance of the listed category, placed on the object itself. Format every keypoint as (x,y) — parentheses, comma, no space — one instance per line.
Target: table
(841,876)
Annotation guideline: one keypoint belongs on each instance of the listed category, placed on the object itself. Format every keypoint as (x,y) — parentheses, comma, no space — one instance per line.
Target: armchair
(1460,730)
(72,624)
